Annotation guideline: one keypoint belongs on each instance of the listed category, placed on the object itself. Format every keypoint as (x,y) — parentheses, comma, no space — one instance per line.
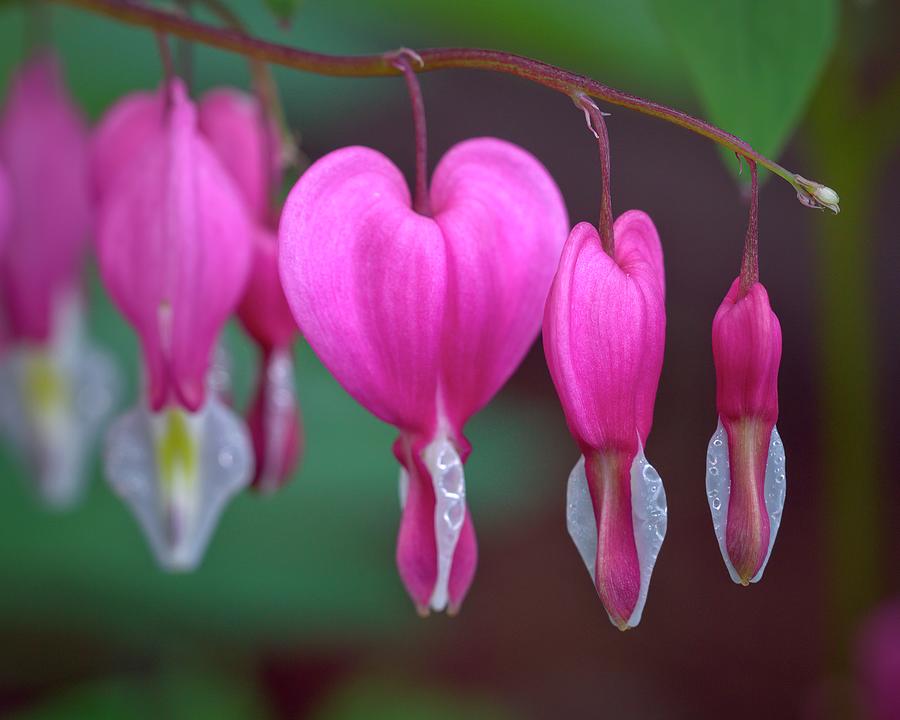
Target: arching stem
(132,12)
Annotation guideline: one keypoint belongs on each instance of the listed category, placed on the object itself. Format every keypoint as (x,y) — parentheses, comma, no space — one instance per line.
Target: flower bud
(745,461)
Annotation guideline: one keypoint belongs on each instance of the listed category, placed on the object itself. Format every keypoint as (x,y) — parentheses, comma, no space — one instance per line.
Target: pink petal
(235,126)
(365,277)
(122,135)
(604,334)
(504,222)
(264,310)
(174,253)
(417,550)
(43,146)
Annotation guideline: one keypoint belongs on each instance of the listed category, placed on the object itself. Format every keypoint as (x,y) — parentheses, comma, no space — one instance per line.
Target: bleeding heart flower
(422,319)
(247,144)
(43,146)
(56,388)
(604,333)
(174,249)
(745,471)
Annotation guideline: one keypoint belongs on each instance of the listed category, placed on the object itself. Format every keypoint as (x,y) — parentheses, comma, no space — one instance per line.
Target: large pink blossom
(422,319)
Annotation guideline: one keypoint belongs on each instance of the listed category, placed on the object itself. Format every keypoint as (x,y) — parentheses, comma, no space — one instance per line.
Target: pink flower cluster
(421,319)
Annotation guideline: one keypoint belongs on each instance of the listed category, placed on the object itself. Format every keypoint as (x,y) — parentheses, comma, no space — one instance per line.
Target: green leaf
(753,63)
(283,9)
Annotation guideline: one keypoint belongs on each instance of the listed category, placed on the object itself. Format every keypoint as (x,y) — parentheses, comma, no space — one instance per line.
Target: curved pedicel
(718,488)
(649,517)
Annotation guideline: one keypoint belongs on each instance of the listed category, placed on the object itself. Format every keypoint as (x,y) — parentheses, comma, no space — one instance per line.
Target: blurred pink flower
(174,247)
(878,662)
(422,319)
(44,148)
(248,146)
(604,333)
(56,388)
(745,460)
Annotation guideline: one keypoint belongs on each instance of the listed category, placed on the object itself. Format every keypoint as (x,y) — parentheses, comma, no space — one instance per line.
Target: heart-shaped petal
(121,137)
(365,277)
(174,251)
(604,333)
(504,222)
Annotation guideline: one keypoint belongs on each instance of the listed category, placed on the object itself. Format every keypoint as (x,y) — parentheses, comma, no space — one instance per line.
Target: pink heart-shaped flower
(422,319)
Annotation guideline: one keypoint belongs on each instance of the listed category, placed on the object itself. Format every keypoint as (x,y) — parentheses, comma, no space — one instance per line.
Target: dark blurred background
(298,611)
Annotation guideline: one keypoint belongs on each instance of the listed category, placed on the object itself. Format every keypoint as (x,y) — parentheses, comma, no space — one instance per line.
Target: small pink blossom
(604,333)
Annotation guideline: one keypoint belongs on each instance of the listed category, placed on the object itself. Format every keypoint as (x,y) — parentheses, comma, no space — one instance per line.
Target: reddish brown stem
(597,126)
(404,61)
(138,13)
(750,262)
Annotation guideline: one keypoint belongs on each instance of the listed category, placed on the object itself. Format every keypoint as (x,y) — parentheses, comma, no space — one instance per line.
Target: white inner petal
(179,515)
(718,490)
(54,401)
(448,480)
(446,470)
(649,516)
(280,404)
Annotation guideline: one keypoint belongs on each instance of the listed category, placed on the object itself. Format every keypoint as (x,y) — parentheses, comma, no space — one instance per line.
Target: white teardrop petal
(178,514)
(649,516)
(580,520)
(54,402)
(446,470)
(718,490)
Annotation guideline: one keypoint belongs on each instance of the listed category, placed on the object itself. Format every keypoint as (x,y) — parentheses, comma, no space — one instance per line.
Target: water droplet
(717,442)
(716,503)
(225,458)
(714,471)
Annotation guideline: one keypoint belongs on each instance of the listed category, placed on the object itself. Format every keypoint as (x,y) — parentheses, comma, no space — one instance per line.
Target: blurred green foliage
(753,63)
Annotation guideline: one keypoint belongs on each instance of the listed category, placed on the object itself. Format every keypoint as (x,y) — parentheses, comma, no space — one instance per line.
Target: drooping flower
(248,146)
(57,388)
(745,475)
(174,251)
(604,332)
(422,319)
